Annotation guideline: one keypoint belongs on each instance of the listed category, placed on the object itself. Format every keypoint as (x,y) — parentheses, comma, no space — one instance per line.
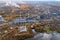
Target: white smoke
(12,3)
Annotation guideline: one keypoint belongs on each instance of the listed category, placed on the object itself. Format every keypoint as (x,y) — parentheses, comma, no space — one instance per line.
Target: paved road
(6,23)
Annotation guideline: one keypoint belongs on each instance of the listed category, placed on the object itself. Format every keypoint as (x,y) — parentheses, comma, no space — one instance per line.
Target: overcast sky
(36,0)
(24,0)
(29,0)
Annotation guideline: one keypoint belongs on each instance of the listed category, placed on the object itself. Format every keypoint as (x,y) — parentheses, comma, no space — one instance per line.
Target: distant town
(22,21)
